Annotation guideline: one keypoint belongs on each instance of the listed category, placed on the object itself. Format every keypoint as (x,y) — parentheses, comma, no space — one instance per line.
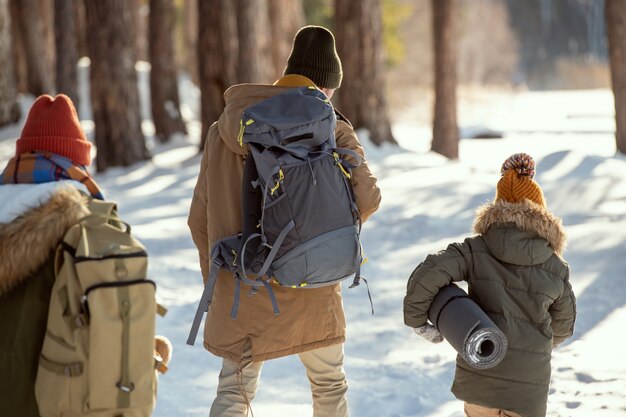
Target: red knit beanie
(52,125)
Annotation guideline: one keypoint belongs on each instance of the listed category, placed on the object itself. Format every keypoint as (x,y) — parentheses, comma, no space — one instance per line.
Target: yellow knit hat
(517,184)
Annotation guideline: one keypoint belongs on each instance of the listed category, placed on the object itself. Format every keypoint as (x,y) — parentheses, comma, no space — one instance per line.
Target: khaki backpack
(98,353)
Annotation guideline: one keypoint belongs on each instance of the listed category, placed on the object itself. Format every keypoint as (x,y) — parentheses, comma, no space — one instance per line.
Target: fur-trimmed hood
(27,239)
(531,231)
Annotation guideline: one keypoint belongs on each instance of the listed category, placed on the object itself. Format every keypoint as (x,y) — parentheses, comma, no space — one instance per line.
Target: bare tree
(114,94)
(286,17)
(217,55)
(359,44)
(253,65)
(9,109)
(445,129)
(33,20)
(615,15)
(163,77)
(66,49)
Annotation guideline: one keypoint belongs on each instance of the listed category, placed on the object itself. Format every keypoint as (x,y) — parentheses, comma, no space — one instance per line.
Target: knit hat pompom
(314,55)
(52,126)
(522,163)
(517,184)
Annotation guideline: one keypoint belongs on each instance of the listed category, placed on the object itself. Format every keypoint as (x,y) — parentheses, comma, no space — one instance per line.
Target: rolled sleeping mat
(467,328)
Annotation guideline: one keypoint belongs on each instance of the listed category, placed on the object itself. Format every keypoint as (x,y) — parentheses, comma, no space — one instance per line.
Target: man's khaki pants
(475,410)
(238,383)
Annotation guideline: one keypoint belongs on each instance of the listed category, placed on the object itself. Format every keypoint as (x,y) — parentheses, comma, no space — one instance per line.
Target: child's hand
(429,332)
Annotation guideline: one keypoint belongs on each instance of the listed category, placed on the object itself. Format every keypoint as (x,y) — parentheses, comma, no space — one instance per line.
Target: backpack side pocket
(121,329)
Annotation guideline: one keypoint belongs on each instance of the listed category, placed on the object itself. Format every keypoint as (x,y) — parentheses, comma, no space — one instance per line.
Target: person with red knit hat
(44,190)
(515,271)
(52,147)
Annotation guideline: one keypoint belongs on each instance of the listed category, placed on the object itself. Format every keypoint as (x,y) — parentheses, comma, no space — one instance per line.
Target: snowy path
(427,203)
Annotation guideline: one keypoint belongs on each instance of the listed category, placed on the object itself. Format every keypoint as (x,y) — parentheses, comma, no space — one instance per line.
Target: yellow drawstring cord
(343,170)
(281,177)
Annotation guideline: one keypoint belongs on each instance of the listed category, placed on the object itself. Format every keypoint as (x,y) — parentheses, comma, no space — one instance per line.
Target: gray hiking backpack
(301,224)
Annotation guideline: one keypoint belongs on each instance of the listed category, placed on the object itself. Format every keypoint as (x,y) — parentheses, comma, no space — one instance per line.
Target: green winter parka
(515,272)
(27,247)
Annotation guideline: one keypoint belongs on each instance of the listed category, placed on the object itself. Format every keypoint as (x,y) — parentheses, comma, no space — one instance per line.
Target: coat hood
(28,239)
(238,98)
(520,233)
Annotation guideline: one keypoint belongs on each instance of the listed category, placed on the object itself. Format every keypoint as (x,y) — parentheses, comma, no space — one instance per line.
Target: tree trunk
(114,94)
(79,28)
(19,50)
(33,23)
(359,44)
(286,18)
(163,76)
(217,54)
(445,129)
(140,21)
(9,109)
(66,49)
(615,15)
(253,65)
(190,34)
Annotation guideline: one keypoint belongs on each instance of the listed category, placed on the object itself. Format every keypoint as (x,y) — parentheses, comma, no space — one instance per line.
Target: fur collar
(26,242)
(526,216)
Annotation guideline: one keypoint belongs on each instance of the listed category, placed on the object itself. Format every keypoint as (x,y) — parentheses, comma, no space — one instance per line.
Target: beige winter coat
(309,318)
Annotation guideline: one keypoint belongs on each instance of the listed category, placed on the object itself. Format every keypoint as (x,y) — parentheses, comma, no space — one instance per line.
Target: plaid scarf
(41,167)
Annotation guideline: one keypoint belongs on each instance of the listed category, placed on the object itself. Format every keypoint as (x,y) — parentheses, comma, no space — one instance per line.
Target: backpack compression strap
(205,302)
(266,265)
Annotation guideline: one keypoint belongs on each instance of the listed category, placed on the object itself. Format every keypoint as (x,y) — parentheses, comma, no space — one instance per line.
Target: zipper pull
(242,129)
(240,135)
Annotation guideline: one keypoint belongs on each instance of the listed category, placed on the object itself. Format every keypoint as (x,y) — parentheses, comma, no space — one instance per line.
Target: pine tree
(445,129)
(615,15)
(359,45)
(114,94)
(9,109)
(66,49)
(217,54)
(163,77)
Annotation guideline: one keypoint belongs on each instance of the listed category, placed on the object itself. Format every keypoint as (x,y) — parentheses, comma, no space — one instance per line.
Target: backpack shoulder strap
(341,117)
(252,200)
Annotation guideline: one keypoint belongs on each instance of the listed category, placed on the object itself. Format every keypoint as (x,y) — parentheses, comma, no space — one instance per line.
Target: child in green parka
(515,271)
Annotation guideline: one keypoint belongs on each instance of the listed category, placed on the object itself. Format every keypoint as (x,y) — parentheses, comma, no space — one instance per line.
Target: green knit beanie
(314,55)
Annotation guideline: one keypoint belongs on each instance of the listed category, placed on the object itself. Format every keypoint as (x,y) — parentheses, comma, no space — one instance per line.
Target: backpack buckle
(125,388)
(81,320)
(73,369)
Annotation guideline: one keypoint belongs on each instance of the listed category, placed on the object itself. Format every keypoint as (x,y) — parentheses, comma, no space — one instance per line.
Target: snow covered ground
(427,203)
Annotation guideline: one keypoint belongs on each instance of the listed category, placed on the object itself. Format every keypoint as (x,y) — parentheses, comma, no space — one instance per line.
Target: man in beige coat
(311,322)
